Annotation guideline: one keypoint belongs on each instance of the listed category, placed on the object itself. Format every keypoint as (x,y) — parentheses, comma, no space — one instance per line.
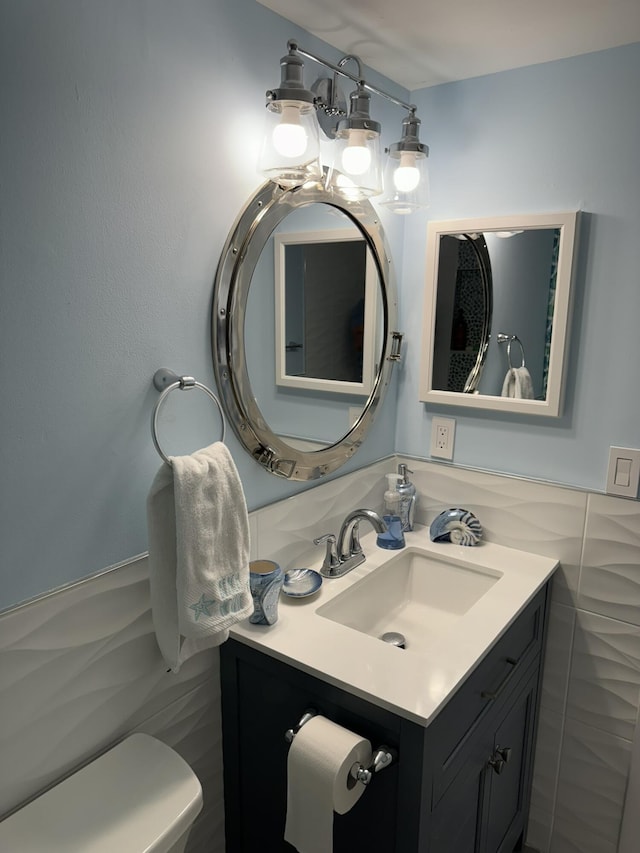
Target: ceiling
(421,43)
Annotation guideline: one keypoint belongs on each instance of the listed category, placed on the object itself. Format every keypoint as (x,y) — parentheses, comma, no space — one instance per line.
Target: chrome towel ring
(166,380)
(508,340)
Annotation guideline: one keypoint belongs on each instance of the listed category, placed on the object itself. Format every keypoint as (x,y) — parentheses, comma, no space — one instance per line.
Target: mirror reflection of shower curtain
(463,312)
(553,275)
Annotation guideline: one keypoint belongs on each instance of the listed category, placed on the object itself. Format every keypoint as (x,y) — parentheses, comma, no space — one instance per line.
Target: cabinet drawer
(476,699)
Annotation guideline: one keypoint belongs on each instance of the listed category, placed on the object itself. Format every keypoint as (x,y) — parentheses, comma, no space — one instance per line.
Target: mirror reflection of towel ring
(508,340)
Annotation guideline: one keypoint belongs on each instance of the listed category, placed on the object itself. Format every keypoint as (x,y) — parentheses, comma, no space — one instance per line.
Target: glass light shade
(355,171)
(290,154)
(406,181)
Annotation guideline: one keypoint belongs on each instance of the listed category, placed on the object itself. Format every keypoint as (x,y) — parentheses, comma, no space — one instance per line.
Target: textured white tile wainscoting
(79,668)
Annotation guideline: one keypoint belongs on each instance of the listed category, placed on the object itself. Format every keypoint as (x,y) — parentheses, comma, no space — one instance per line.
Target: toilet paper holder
(381,757)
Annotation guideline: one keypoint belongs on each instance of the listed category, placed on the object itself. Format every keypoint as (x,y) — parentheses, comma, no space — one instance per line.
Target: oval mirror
(304,317)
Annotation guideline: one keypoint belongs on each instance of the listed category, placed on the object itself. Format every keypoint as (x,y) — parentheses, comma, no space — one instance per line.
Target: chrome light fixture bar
(291,151)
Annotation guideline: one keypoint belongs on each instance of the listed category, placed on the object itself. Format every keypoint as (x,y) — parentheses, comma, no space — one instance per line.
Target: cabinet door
(509,773)
(456,821)
(261,700)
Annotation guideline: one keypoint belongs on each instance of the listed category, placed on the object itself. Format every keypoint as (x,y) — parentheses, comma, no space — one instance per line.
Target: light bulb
(289,137)
(407,176)
(356,157)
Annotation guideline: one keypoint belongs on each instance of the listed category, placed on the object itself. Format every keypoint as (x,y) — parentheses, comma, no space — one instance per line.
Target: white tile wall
(545,780)
(558,657)
(591,786)
(285,530)
(605,674)
(79,668)
(611,567)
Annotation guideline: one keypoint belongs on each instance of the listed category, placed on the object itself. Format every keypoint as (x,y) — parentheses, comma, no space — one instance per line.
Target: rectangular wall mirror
(326,288)
(496,312)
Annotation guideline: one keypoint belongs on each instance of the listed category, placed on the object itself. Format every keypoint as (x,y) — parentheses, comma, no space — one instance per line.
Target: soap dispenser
(407,492)
(393,538)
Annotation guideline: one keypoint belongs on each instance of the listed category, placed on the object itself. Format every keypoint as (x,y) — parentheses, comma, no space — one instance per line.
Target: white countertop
(415,685)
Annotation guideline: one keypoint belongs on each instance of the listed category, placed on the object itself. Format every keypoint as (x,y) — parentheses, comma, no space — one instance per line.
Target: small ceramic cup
(265,580)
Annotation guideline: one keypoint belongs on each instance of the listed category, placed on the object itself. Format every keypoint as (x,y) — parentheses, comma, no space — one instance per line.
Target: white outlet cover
(442,452)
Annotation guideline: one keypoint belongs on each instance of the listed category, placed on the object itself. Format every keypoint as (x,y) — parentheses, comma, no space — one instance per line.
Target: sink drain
(394,639)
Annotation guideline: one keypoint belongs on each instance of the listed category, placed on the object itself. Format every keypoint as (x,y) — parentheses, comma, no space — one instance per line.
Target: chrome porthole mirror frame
(255,224)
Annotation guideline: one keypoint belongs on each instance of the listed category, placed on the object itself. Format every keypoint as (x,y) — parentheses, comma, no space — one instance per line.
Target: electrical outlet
(443,432)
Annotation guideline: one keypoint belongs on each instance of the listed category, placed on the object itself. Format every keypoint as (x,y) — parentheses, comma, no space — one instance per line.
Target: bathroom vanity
(459,710)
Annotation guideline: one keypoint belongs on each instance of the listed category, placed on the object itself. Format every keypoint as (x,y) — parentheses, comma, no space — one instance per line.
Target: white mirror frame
(567,222)
(369,367)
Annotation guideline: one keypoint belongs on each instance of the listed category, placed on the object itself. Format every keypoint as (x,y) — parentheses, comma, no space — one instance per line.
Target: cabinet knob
(504,752)
(497,764)
(499,758)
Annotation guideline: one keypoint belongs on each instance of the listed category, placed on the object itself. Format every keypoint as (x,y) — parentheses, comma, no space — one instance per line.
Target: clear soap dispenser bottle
(407,492)
(393,538)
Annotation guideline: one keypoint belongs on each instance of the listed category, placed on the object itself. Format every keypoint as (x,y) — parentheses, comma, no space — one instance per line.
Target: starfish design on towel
(202,606)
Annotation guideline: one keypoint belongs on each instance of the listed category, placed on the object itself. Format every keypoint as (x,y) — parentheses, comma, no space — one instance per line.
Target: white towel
(517,383)
(198,552)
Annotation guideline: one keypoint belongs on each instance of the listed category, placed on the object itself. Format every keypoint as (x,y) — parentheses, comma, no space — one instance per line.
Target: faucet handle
(354,545)
(331,559)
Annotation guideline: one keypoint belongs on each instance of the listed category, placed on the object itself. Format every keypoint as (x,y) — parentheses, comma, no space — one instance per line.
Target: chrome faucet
(347,553)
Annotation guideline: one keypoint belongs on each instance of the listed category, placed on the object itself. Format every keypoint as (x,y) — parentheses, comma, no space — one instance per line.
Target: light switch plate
(623,476)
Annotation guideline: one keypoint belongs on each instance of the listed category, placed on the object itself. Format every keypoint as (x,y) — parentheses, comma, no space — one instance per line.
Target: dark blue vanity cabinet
(460,785)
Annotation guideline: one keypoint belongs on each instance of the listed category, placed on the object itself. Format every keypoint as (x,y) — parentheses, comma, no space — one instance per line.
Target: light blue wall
(129,139)
(559,136)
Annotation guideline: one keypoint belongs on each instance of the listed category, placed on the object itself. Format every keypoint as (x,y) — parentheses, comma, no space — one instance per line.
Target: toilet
(139,797)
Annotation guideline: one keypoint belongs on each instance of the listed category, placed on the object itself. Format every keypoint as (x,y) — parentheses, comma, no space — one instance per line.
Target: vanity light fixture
(290,152)
(406,174)
(355,171)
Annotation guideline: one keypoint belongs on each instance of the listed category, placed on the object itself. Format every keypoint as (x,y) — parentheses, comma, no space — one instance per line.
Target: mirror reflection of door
(294,310)
(324,309)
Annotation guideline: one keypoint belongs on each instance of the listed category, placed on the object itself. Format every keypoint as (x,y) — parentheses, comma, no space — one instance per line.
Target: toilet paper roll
(319,782)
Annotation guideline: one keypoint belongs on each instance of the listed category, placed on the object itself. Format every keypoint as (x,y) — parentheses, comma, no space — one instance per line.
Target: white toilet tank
(140,797)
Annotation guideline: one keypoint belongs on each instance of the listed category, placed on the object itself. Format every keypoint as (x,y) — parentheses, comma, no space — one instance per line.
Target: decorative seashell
(456,525)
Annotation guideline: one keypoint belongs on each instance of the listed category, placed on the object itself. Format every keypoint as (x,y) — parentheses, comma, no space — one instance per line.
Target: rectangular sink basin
(414,594)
